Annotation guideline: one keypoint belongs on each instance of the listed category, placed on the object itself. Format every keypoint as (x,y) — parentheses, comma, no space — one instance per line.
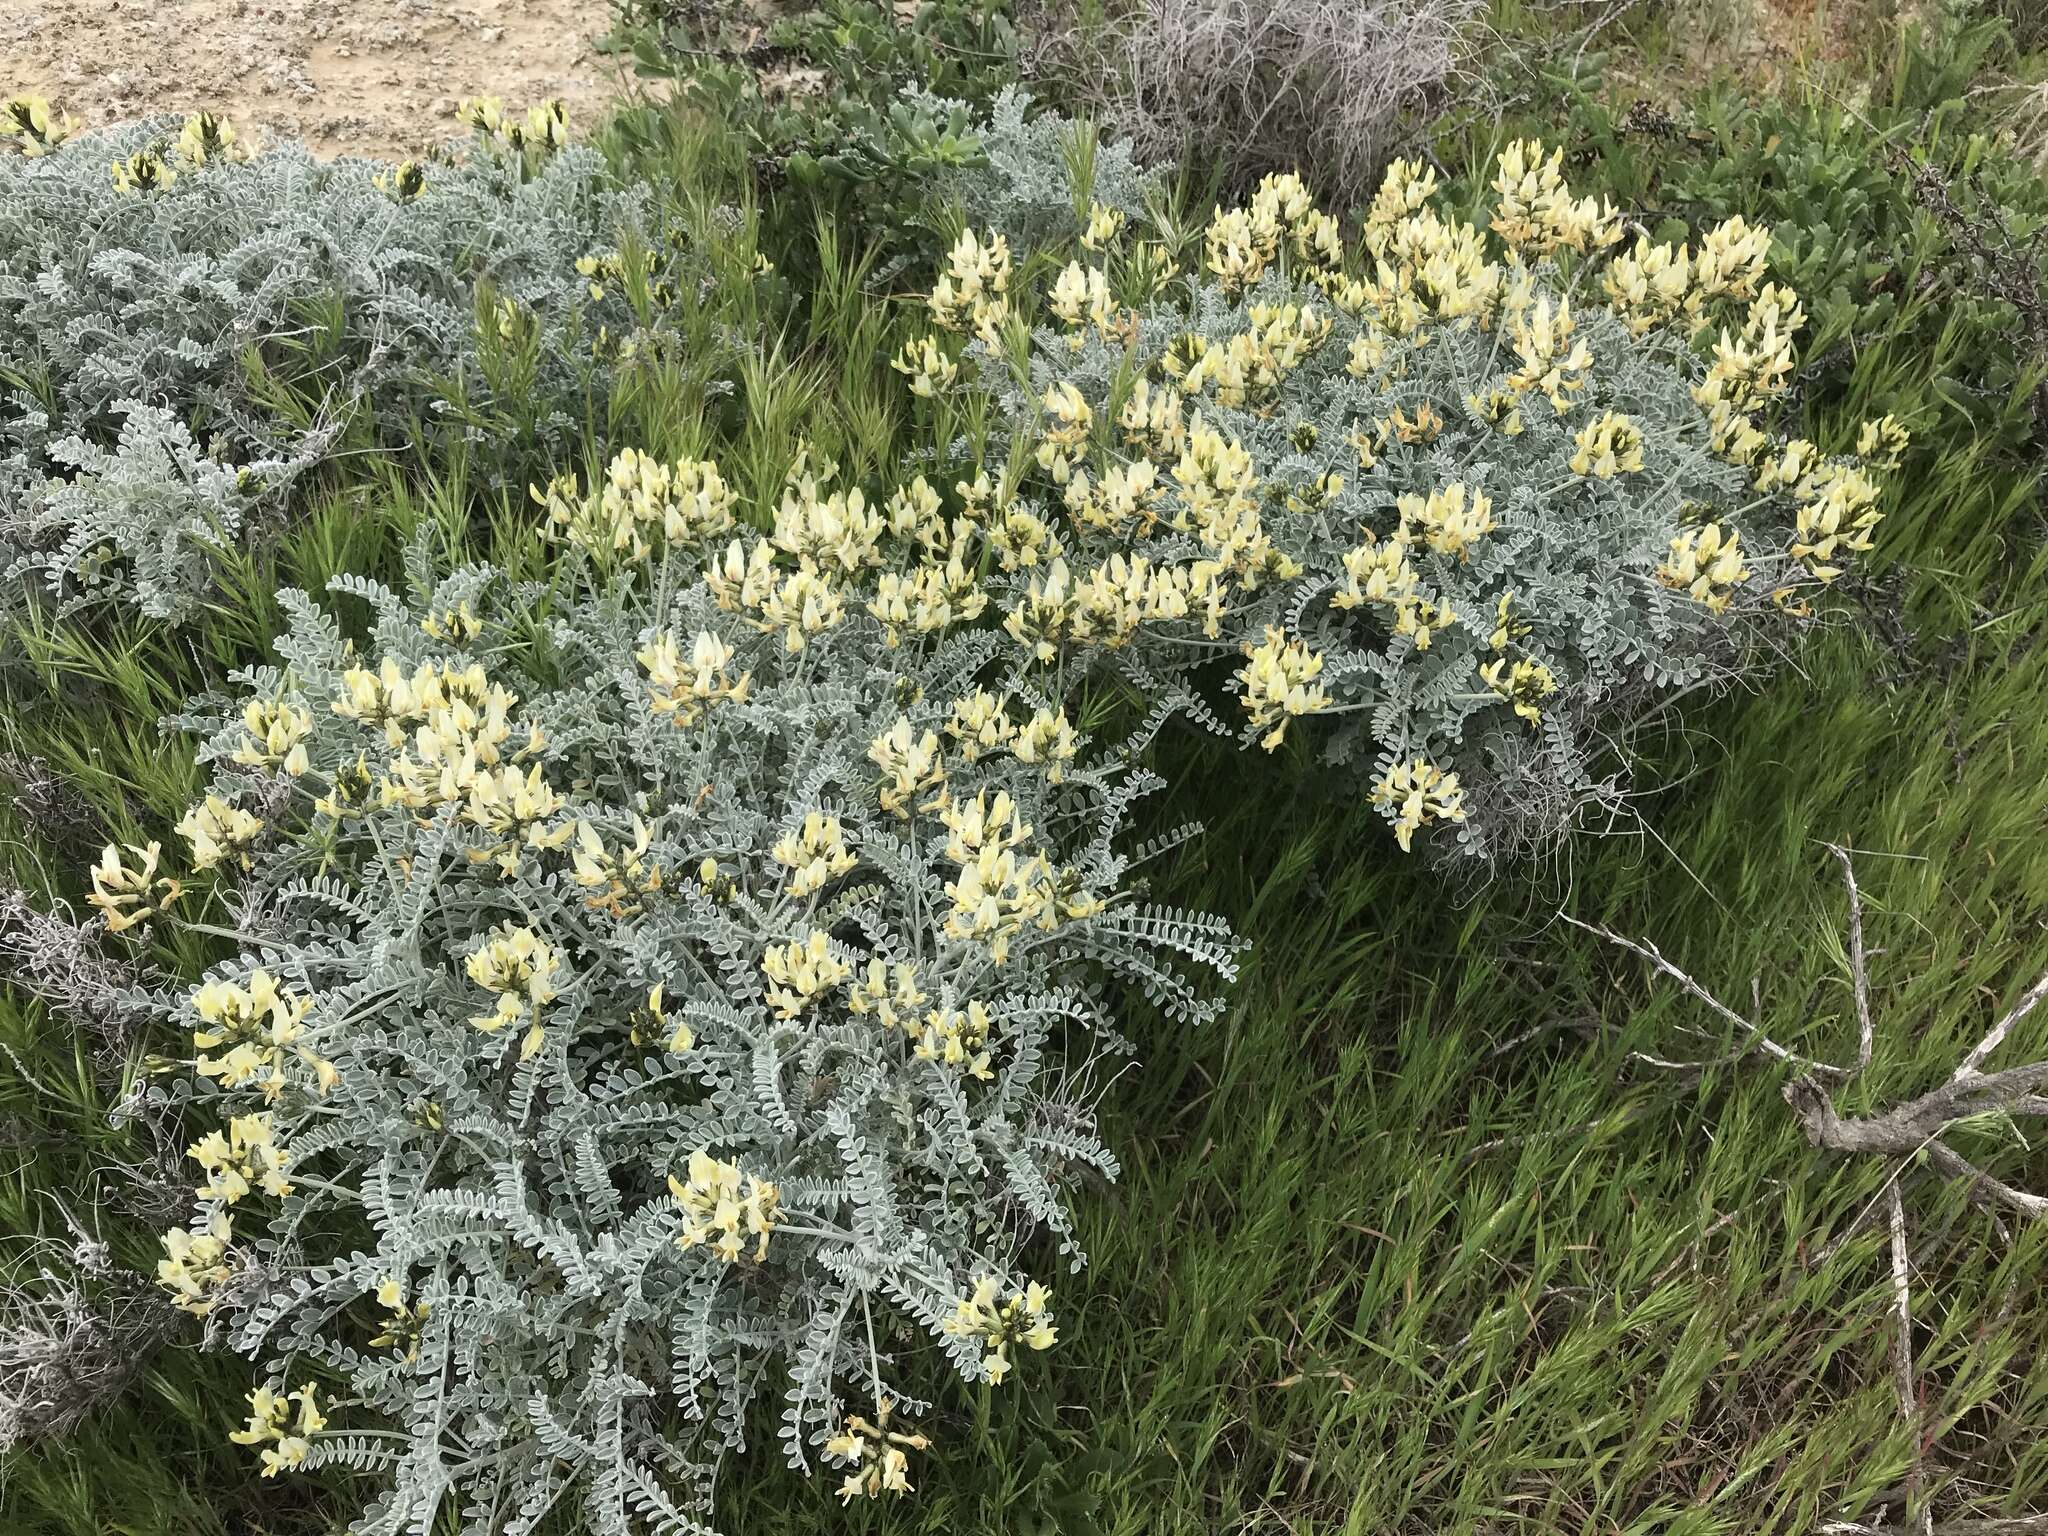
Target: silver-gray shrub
(1043,168)
(147,517)
(129,420)
(480,1265)
(1329,409)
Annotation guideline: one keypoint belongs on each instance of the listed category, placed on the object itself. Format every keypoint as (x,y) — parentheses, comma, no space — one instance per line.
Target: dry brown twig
(1755,1041)
(1902,1133)
(1906,1130)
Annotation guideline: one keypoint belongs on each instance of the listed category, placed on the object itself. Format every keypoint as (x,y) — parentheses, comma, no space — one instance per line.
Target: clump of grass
(1324,88)
(1408,1243)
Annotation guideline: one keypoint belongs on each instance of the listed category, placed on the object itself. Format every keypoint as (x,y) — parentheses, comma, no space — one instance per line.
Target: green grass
(1410,1242)
(1375,1266)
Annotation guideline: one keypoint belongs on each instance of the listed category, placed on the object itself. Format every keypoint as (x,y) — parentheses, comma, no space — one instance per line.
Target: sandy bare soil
(374,77)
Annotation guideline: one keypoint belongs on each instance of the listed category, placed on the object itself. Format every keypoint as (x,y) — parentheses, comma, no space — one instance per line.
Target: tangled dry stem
(1325,88)
(74,1329)
(1899,1134)
(62,963)
(1907,1129)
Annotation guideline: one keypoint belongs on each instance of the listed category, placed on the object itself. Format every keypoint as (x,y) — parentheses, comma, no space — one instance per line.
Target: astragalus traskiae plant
(189,320)
(652,996)
(1476,499)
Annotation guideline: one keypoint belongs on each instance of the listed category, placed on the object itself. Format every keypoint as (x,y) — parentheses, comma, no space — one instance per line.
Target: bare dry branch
(1902,1352)
(1907,1130)
(1323,87)
(2002,1028)
(1757,1040)
(1859,970)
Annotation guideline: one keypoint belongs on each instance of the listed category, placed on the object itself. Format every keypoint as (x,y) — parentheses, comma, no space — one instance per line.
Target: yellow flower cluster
(517,964)
(1651,285)
(832,534)
(1125,499)
(462,721)
(652,1019)
(514,808)
(798,605)
(147,170)
(931,598)
(956,1036)
(27,120)
(1003,1322)
(254,1026)
(1452,519)
(1607,446)
(619,880)
(801,972)
(126,896)
(1706,564)
(1419,793)
(720,1204)
(1070,420)
(875,1453)
(684,690)
(910,764)
(402,1328)
(1249,370)
(892,996)
(1883,441)
(545,125)
(1656,284)
(1836,504)
(286,1438)
(683,505)
(1279,677)
(1104,226)
(1220,494)
(219,832)
(972,294)
(195,1267)
(1554,364)
(403,182)
(1242,242)
(1536,211)
(816,853)
(926,365)
(456,626)
(247,1157)
(1048,737)
(832,531)
(1377,572)
(888,991)
(1105,606)
(274,736)
(1152,421)
(1080,297)
(1753,366)
(209,140)
(997,894)
(1525,685)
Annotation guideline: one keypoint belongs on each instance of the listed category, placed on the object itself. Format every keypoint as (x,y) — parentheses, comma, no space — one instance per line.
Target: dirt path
(360,76)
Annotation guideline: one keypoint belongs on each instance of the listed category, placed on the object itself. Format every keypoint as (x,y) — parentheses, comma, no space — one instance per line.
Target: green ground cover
(1461,1219)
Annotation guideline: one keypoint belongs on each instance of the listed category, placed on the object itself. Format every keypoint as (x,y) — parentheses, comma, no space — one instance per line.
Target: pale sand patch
(377,77)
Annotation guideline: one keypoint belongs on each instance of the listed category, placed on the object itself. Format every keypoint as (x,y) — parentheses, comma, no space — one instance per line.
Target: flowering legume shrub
(1474,498)
(150,274)
(681,980)
(648,999)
